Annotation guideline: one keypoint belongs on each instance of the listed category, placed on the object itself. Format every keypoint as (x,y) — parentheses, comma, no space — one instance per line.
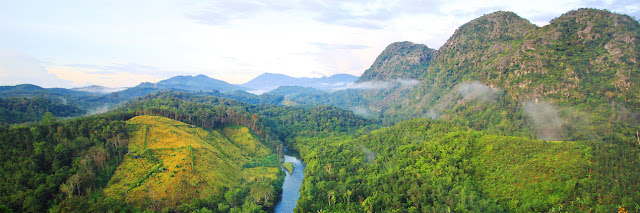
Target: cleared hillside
(170,162)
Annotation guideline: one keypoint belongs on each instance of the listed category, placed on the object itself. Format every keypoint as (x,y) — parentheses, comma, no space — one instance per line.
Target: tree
(48,119)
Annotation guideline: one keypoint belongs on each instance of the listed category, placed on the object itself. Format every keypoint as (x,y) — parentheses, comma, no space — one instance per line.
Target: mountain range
(586,59)
(193,83)
(270,81)
(506,116)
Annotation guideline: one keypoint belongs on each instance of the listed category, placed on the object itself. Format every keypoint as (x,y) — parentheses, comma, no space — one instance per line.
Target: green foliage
(288,166)
(21,110)
(45,164)
(265,161)
(441,166)
(481,156)
(399,60)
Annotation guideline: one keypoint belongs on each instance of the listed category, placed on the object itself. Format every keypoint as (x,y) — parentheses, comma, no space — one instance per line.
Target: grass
(288,166)
(243,138)
(176,163)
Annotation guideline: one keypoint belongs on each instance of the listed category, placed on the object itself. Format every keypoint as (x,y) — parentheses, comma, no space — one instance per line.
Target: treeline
(271,122)
(437,166)
(22,110)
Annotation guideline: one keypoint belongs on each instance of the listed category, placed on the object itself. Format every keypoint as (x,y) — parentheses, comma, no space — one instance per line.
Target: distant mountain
(270,81)
(98,89)
(30,90)
(194,83)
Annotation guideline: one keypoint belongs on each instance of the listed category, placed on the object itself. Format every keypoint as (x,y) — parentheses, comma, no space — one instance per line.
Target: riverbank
(291,184)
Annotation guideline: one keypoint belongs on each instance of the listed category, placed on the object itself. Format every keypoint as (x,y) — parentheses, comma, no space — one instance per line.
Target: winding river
(292,183)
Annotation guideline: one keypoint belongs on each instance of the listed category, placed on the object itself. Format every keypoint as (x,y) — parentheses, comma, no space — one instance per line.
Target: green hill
(501,73)
(585,58)
(171,163)
(193,83)
(21,110)
(435,166)
(399,60)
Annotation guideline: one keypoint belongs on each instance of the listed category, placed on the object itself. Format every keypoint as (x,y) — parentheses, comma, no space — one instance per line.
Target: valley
(506,116)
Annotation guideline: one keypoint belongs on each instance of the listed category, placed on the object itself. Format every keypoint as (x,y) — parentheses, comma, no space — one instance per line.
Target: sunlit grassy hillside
(170,162)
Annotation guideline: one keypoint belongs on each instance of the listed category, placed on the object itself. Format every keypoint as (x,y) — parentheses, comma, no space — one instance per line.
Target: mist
(98,110)
(476,91)
(546,120)
(361,111)
(370,155)
(380,84)
(431,113)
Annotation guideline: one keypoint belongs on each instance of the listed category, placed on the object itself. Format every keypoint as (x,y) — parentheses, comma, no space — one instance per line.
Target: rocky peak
(398,60)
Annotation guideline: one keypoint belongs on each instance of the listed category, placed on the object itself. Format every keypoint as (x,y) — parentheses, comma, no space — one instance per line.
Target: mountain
(270,81)
(532,119)
(193,83)
(30,90)
(586,60)
(504,117)
(98,89)
(399,60)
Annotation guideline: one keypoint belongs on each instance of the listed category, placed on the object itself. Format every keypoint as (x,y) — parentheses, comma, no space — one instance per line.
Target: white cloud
(19,68)
(380,84)
(476,91)
(83,76)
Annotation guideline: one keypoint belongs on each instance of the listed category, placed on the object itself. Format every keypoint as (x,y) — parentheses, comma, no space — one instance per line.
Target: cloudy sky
(122,43)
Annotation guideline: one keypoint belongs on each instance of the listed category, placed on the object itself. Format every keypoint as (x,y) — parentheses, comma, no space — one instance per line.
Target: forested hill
(585,57)
(207,153)
(21,110)
(501,73)
(435,166)
(399,60)
(193,83)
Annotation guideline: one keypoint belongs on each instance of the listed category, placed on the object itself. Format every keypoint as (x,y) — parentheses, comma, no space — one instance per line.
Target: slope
(436,166)
(499,72)
(399,60)
(170,162)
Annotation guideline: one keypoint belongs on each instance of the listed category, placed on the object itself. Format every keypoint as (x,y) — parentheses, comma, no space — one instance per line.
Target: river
(292,183)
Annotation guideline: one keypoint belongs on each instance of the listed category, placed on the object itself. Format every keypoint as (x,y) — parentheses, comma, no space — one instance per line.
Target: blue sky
(122,43)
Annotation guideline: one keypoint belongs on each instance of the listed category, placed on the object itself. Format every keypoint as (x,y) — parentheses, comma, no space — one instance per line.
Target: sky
(116,43)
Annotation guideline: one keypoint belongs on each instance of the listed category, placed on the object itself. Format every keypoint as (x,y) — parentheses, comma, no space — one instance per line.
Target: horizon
(194,75)
(122,44)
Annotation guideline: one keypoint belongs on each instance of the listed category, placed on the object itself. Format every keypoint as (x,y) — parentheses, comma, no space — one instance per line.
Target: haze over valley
(320,106)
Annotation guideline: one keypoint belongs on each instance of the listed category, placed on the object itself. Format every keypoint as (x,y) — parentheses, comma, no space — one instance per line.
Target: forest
(505,117)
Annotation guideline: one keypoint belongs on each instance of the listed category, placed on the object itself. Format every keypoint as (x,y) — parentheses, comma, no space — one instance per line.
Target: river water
(292,183)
